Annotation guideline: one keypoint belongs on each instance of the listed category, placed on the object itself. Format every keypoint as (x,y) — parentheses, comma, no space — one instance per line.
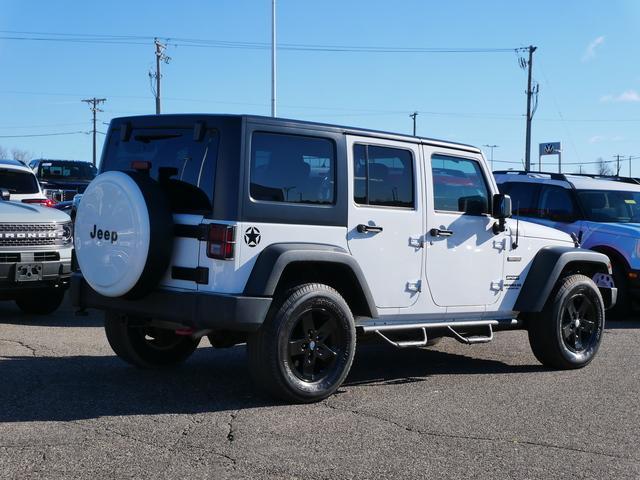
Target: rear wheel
(41,302)
(303,352)
(568,332)
(139,344)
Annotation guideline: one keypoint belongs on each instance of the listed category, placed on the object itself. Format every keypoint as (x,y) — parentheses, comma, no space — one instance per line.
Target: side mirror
(501,206)
(4,194)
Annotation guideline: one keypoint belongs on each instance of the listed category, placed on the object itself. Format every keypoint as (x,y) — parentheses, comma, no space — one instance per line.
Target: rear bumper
(193,309)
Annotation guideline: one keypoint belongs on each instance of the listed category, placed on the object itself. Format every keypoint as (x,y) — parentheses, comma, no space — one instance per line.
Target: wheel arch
(280,265)
(550,264)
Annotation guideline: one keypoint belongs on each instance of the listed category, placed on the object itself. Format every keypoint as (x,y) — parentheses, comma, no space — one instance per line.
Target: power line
(42,134)
(208,43)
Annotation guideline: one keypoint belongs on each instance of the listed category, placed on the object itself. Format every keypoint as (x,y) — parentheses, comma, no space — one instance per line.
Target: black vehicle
(61,180)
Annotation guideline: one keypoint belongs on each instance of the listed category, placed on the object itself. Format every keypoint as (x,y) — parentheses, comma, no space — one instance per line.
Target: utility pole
(491,147)
(530,92)
(273,58)
(414,115)
(93,106)
(617,165)
(160,57)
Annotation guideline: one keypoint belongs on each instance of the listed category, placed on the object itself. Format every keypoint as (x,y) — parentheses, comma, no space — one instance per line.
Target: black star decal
(252,236)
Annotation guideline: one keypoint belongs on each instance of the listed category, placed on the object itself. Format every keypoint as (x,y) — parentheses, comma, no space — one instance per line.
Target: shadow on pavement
(65,316)
(81,387)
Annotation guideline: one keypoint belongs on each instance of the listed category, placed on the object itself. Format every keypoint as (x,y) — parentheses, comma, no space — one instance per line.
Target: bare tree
(603,167)
(21,155)
(3,152)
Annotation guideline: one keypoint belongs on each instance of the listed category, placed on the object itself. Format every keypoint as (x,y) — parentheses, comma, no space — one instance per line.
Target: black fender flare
(273,260)
(545,270)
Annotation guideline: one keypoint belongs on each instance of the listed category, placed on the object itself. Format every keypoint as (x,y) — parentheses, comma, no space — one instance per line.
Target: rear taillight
(45,202)
(221,241)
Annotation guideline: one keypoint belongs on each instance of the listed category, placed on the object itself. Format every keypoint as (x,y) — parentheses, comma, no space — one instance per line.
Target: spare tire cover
(123,234)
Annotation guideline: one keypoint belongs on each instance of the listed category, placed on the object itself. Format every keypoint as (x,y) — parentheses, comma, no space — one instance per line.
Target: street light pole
(491,147)
(273,58)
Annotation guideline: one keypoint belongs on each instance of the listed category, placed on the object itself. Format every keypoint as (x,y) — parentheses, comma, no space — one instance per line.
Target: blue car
(602,213)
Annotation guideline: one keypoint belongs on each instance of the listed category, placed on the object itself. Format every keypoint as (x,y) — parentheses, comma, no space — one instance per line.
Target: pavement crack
(231,435)
(22,344)
(454,436)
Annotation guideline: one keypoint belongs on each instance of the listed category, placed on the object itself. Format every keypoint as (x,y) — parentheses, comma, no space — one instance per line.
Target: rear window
(18,182)
(66,171)
(184,166)
(292,168)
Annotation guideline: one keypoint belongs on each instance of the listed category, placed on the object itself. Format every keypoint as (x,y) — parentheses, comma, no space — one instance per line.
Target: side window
(383,176)
(524,198)
(459,185)
(292,168)
(556,204)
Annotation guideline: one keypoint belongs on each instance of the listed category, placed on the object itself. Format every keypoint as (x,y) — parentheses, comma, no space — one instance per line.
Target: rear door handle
(436,232)
(362,228)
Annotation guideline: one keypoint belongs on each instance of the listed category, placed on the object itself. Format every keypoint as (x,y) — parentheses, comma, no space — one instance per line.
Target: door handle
(436,232)
(362,228)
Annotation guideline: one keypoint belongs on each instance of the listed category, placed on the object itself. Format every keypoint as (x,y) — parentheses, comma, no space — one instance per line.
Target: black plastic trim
(198,310)
(199,232)
(200,275)
(272,261)
(545,271)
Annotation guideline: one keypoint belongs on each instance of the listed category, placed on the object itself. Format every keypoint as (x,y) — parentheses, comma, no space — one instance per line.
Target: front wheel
(303,352)
(568,332)
(139,344)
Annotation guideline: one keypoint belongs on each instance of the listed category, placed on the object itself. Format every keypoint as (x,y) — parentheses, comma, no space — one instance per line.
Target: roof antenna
(514,245)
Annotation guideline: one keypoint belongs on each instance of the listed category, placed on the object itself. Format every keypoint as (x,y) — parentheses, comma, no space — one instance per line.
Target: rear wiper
(151,138)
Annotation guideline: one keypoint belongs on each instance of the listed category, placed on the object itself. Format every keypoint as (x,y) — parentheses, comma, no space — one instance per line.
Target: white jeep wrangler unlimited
(296,236)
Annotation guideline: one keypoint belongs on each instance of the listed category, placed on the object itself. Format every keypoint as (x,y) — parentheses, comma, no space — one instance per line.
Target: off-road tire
(279,371)
(41,302)
(128,339)
(549,329)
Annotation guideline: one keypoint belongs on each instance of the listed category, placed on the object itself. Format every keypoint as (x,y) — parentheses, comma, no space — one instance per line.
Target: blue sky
(586,65)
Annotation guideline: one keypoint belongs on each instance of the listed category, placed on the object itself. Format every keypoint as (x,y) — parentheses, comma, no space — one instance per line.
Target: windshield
(610,206)
(185,167)
(67,171)
(17,181)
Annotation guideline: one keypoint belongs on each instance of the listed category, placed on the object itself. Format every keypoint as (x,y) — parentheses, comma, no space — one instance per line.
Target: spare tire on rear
(123,234)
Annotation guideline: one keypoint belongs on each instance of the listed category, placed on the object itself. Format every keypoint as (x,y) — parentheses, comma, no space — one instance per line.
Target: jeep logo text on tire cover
(100,234)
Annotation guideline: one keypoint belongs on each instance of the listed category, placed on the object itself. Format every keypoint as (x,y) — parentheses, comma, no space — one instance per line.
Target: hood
(618,229)
(18,212)
(534,230)
(78,185)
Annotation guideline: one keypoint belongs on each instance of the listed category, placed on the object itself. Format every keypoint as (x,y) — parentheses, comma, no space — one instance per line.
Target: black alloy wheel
(315,342)
(579,320)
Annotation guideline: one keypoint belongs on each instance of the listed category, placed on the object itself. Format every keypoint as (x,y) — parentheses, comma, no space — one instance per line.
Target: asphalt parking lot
(70,409)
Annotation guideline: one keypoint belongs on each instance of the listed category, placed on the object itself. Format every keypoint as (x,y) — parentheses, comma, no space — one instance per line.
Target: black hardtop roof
(168,119)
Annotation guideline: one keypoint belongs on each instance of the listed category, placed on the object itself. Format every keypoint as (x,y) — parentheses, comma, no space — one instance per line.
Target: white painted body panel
(388,259)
